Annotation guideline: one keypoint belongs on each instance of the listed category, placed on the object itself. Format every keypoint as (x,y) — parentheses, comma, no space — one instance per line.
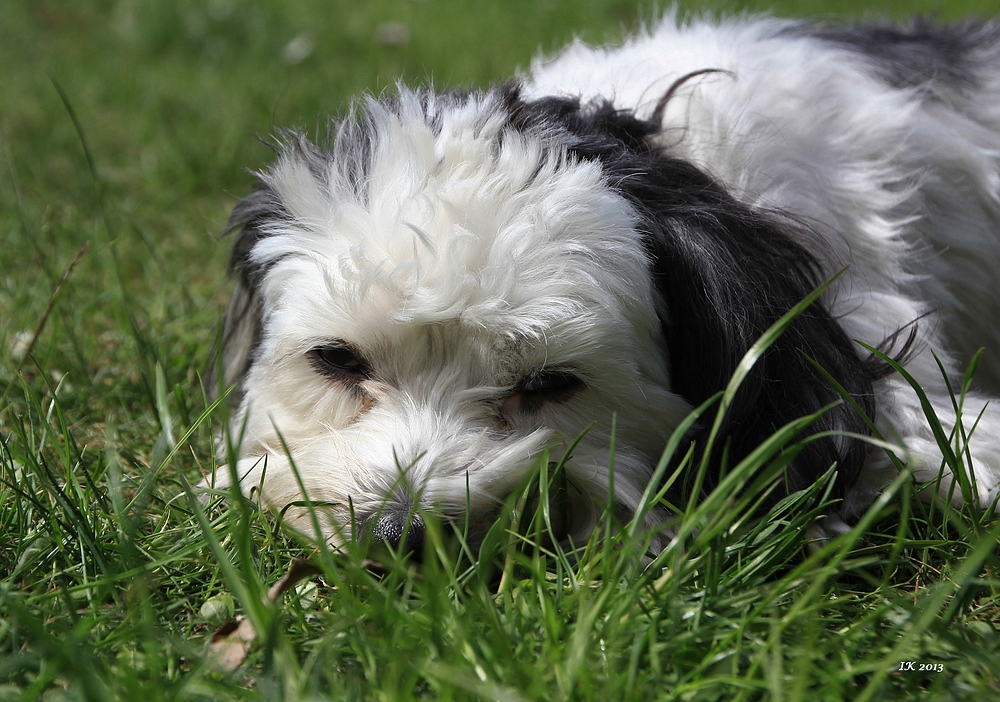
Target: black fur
(922,55)
(725,273)
(233,355)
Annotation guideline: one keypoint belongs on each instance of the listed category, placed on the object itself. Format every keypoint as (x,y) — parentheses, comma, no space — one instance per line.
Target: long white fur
(460,268)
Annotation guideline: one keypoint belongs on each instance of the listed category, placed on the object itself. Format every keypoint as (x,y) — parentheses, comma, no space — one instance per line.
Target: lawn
(128,131)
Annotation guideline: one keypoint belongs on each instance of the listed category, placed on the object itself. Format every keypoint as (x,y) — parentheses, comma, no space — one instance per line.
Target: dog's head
(458,283)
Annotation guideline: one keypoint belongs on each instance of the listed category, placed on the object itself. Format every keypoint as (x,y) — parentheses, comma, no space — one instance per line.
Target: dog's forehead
(460,219)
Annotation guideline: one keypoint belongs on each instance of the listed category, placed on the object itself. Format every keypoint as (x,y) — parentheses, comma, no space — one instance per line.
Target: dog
(454,286)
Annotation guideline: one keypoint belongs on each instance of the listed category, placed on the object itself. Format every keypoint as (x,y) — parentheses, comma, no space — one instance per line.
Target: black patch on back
(919,55)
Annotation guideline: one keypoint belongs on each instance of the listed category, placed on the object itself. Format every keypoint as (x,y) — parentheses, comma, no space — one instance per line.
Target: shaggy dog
(454,284)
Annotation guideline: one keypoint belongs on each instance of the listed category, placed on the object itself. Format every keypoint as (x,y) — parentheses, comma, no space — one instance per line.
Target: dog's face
(435,313)
(460,283)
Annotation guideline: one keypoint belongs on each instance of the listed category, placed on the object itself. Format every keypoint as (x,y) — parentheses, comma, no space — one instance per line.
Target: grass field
(127,130)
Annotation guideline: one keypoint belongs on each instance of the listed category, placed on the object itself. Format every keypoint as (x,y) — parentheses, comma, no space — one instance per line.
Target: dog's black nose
(401,530)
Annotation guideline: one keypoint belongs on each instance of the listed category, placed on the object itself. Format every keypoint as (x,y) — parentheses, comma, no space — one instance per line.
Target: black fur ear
(241,329)
(725,273)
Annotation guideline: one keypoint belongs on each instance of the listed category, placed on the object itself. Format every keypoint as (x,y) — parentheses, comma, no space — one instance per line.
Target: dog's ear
(241,328)
(725,272)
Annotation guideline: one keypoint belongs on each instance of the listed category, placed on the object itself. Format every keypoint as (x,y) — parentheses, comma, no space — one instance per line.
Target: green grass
(126,131)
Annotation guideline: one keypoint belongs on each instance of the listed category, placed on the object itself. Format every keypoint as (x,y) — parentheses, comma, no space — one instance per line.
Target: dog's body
(458,282)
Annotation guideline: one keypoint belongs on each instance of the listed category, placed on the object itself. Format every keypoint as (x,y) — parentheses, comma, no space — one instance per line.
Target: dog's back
(883,141)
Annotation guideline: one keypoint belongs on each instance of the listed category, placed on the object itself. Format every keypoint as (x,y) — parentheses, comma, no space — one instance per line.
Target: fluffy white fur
(458,258)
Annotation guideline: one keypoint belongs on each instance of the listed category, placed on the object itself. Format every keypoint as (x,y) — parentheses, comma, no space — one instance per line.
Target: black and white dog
(458,282)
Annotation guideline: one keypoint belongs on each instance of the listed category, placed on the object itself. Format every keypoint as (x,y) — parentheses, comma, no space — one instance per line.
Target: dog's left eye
(552,385)
(339,361)
(541,388)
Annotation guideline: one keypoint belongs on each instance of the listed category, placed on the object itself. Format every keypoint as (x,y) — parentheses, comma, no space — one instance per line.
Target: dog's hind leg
(952,446)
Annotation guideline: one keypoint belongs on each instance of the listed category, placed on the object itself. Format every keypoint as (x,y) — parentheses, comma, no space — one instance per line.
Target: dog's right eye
(338,362)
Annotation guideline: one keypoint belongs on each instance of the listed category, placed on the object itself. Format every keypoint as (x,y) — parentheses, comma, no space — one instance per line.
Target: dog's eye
(338,361)
(539,389)
(552,385)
